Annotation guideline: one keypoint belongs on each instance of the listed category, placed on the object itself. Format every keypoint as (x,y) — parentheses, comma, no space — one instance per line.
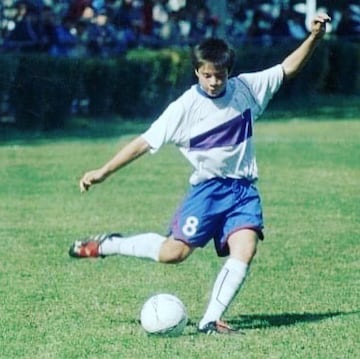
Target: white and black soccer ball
(163,314)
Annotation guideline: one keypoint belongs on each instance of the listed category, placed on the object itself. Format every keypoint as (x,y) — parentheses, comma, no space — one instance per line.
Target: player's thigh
(242,244)
(201,214)
(174,251)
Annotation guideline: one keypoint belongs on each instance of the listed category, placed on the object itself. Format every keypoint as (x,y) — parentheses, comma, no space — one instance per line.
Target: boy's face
(212,79)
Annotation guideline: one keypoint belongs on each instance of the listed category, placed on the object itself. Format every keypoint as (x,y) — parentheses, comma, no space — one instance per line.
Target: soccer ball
(163,314)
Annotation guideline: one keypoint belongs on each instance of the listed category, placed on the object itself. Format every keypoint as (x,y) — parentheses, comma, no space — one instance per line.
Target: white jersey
(216,134)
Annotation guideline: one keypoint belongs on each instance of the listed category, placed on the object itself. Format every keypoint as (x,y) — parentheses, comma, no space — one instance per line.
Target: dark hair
(213,50)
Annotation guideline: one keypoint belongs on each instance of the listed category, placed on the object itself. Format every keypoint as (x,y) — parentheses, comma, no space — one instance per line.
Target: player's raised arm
(127,154)
(295,61)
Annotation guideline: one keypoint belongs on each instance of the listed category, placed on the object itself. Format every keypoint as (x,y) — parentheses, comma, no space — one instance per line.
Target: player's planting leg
(227,284)
(143,246)
(231,277)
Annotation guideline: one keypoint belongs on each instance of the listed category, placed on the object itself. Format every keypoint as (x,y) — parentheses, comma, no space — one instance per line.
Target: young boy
(212,125)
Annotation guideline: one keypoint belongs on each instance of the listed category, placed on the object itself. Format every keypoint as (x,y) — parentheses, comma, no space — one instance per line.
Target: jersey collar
(203,93)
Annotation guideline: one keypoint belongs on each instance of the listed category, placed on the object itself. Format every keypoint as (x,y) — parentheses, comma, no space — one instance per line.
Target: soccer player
(212,125)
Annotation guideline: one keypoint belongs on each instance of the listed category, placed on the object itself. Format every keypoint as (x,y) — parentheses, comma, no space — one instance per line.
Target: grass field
(301,299)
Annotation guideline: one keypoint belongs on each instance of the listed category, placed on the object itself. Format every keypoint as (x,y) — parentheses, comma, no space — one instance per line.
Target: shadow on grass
(266,321)
(263,321)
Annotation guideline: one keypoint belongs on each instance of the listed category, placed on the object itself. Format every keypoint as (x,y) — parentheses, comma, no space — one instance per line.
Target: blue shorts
(214,210)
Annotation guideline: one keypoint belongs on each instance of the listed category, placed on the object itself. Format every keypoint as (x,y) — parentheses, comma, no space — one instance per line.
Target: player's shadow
(263,321)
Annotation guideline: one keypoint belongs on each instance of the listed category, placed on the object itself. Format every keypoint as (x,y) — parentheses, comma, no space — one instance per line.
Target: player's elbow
(289,71)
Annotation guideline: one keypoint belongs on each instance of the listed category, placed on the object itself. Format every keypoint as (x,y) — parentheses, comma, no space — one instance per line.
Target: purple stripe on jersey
(230,133)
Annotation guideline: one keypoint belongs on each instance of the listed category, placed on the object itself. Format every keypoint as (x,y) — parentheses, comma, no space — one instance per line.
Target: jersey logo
(230,133)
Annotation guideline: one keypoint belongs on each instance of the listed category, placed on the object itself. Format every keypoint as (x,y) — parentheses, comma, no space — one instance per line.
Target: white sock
(145,245)
(226,286)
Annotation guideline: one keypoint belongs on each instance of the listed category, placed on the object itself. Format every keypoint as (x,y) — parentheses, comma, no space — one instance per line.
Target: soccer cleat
(217,327)
(89,248)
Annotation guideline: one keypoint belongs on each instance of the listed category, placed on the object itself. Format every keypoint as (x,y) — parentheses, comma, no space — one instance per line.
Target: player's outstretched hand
(91,178)
(318,25)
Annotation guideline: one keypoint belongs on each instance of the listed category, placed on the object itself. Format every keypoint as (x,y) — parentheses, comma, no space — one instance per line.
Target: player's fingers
(322,18)
(84,186)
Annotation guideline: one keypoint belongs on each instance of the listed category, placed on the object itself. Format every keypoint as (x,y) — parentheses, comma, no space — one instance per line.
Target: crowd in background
(77,28)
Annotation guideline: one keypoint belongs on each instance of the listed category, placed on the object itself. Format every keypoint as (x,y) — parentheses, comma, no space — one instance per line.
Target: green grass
(301,299)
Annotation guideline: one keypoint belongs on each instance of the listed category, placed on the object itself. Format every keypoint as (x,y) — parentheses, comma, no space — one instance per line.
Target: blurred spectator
(203,25)
(77,7)
(98,5)
(280,29)
(128,21)
(297,27)
(237,24)
(88,14)
(259,29)
(184,22)
(176,5)
(349,25)
(170,31)
(148,21)
(102,37)
(160,16)
(83,27)
(47,28)
(82,35)
(25,36)
(66,39)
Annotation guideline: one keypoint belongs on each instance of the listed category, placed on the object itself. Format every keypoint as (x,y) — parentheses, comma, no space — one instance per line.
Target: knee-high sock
(145,245)
(226,286)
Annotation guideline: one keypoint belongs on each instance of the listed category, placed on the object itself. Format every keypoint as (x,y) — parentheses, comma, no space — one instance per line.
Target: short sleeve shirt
(216,134)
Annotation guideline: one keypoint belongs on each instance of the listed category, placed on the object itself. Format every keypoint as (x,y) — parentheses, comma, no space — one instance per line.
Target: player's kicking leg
(148,245)
(90,246)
